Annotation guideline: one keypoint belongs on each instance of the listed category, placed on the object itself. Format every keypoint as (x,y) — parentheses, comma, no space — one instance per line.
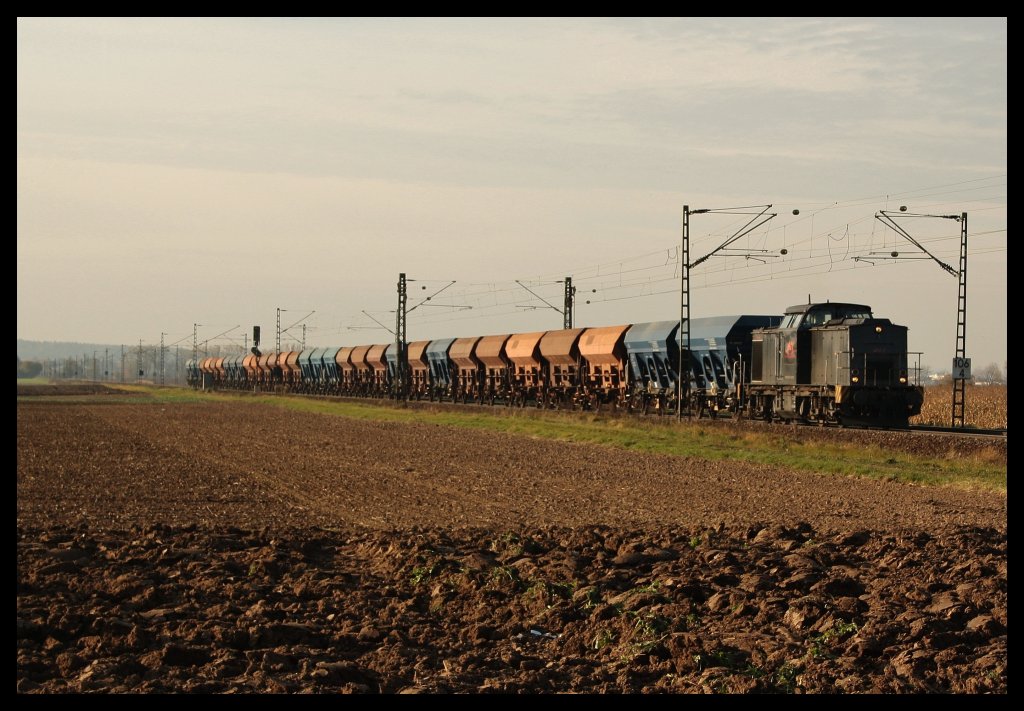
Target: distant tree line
(29,368)
(990,374)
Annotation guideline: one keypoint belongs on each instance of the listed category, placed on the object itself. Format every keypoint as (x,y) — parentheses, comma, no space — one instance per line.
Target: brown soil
(169,548)
(62,388)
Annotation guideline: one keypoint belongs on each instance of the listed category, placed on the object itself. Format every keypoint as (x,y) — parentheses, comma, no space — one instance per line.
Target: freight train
(829,363)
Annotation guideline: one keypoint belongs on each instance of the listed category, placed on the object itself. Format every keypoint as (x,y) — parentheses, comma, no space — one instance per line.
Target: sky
(196,176)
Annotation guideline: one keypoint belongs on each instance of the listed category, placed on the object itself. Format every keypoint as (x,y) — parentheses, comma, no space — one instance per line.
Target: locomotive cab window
(817,318)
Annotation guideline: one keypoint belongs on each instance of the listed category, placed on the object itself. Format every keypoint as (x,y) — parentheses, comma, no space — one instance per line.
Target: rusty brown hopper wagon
(285,374)
(561,351)
(528,377)
(491,353)
(208,373)
(286,361)
(346,371)
(362,372)
(267,364)
(606,376)
(251,371)
(419,369)
(376,359)
(469,369)
(218,369)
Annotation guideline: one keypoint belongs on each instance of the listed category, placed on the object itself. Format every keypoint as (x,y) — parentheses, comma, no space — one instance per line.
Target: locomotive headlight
(855,379)
(903,377)
(878,329)
(855,376)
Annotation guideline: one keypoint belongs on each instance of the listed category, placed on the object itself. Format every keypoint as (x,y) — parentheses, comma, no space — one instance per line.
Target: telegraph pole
(568,306)
(138,360)
(684,316)
(400,343)
(961,364)
(959,384)
(759,215)
(162,334)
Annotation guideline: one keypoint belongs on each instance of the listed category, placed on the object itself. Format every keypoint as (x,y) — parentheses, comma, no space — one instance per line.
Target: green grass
(136,394)
(38,380)
(687,440)
(664,436)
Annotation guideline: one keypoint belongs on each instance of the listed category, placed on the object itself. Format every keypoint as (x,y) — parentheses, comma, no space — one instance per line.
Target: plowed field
(236,548)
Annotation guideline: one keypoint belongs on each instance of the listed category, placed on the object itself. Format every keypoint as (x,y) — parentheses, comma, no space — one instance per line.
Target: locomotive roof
(804,308)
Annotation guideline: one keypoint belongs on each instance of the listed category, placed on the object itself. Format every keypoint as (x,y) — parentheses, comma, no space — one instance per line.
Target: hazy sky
(173,172)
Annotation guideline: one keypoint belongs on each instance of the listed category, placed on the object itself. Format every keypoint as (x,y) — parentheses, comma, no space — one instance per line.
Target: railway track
(971,432)
(959,431)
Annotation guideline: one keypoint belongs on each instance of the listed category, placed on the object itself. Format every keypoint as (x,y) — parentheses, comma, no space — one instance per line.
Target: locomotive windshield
(820,314)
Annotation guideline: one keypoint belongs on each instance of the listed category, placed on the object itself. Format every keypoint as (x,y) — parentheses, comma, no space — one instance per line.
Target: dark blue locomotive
(832,363)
